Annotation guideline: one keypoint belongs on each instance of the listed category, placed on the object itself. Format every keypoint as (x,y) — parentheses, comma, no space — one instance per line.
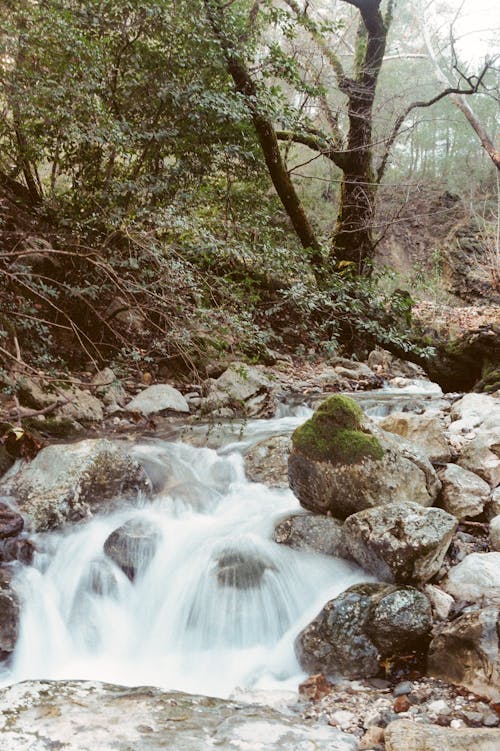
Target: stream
(215,606)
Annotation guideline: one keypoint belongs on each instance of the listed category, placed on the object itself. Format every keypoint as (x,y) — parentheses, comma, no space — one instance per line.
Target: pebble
(439,707)
(405,687)
(455,724)
(402,704)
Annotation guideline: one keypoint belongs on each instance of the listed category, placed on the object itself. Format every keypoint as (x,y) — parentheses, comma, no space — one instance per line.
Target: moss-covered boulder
(341,463)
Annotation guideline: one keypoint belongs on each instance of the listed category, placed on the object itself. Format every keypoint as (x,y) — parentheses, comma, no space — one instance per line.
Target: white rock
(495,533)
(474,409)
(425,431)
(464,493)
(439,707)
(475,579)
(343,719)
(158,398)
(482,456)
(441,601)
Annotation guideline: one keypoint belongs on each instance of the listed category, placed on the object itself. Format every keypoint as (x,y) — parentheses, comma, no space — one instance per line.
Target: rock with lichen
(341,463)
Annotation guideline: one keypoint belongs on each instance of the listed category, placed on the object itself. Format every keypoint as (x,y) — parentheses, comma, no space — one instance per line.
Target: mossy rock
(334,433)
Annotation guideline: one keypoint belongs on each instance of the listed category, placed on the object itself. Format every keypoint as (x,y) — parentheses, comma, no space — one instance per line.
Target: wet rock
(11,523)
(158,398)
(85,716)
(402,543)
(311,532)
(463,493)
(354,631)
(267,461)
(482,456)
(68,482)
(241,570)
(17,549)
(475,579)
(133,546)
(9,613)
(342,463)
(314,688)
(425,431)
(6,461)
(403,735)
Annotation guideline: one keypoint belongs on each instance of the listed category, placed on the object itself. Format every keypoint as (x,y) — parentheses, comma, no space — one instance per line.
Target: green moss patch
(334,434)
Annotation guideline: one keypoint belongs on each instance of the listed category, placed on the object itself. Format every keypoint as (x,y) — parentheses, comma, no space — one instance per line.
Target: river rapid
(215,609)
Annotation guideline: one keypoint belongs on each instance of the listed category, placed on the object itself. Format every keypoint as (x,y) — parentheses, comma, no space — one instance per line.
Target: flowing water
(215,603)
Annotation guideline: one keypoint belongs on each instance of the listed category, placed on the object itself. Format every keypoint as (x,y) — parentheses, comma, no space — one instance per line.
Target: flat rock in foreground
(404,735)
(85,716)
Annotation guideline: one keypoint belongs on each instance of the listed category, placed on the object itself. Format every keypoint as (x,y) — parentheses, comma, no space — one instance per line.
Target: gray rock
(241,570)
(399,542)
(466,652)
(132,546)
(158,398)
(475,579)
(244,388)
(86,716)
(9,613)
(492,508)
(495,533)
(311,532)
(473,409)
(425,431)
(381,361)
(353,632)
(482,456)
(441,601)
(406,735)
(68,482)
(267,461)
(109,388)
(463,493)
(341,463)
(75,404)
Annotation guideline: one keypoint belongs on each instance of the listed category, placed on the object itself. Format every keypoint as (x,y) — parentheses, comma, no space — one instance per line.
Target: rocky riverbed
(427,526)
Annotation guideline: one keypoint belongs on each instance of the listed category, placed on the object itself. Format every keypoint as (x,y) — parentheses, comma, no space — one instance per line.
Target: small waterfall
(187,591)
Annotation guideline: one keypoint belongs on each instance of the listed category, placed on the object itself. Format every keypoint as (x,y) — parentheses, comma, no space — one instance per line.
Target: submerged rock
(241,570)
(367,622)
(400,542)
(311,532)
(68,482)
(85,716)
(132,546)
(467,652)
(342,463)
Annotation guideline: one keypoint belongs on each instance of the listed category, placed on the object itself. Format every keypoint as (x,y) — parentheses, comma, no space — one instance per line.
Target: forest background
(184,182)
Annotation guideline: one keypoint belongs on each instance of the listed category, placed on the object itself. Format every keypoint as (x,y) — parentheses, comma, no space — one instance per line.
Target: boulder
(466,652)
(132,546)
(11,523)
(473,409)
(75,404)
(243,388)
(68,482)
(311,532)
(158,398)
(109,388)
(267,461)
(241,570)
(463,493)
(9,613)
(425,431)
(495,533)
(93,716)
(381,361)
(475,579)
(341,463)
(406,735)
(440,600)
(357,629)
(482,456)
(492,508)
(399,542)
